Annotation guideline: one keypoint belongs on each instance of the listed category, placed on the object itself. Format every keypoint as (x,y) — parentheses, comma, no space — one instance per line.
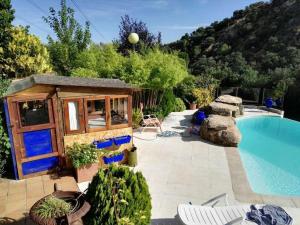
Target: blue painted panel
(12,147)
(37,142)
(39,165)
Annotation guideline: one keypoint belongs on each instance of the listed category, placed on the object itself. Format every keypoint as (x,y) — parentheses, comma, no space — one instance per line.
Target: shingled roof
(54,80)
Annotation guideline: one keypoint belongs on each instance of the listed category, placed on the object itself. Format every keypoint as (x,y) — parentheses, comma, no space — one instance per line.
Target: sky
(173,18)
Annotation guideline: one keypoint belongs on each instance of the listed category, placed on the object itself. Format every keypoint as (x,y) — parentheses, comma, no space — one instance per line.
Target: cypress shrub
(179,105)
(118,196)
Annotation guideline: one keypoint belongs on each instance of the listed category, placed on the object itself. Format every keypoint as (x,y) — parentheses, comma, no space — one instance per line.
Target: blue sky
(173,18)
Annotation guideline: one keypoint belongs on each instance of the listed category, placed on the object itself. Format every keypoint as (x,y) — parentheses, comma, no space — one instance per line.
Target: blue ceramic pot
(269,102)
(200,117)
(278,102)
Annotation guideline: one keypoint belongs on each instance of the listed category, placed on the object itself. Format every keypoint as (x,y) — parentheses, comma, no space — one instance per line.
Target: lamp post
(133,38)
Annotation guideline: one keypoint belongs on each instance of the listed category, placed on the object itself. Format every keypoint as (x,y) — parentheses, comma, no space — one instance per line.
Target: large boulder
(232,100)
(222,109)
(220,130)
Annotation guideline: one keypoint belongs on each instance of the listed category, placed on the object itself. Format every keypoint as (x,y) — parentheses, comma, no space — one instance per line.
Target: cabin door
(37,136)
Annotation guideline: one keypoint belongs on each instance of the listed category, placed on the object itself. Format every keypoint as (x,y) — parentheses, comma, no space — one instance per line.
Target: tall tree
(71,38)
(6,17)
(27,54)
(146,38)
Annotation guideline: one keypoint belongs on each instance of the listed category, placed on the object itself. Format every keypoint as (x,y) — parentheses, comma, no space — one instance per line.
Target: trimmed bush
(118,196)
(204,96)
(168,102)
(179,105)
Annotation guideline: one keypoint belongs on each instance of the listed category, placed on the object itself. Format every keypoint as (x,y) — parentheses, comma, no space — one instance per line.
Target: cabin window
(96,114)
(73,110)
(73,115)
(33,112)
(119,111)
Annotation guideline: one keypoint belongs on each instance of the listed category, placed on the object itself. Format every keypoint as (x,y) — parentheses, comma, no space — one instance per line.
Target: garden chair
(149,120)
(210,215)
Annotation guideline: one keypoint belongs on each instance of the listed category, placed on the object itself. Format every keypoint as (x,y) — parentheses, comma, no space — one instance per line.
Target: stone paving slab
(17,197)
(187,169)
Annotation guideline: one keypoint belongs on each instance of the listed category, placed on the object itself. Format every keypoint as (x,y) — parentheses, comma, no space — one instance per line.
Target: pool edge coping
(242,189)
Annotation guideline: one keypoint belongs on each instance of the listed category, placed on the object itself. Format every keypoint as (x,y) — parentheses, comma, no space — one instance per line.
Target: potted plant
(109,156)
(85,161)
(60,207)
(52,207)
(103,143)
(113,157)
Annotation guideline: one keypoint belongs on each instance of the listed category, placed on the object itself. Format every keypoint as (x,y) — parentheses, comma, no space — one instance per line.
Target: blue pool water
(270,152)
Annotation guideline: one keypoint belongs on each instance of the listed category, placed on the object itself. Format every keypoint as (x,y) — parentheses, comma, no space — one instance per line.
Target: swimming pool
(270,152)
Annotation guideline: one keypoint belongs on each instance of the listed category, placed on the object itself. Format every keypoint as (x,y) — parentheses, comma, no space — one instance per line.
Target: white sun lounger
(210,215)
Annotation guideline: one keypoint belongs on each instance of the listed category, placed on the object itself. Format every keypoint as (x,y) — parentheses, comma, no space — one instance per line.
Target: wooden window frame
(21,129)
(129,112)
(107,113)
(83,113)
(51,123)
(80,115)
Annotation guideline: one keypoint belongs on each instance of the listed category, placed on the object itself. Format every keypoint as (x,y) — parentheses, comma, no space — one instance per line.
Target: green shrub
(52,207)
(204,96)
(157,111)
(179,105)
(83,72)
(5,156)
(137,116)
(82,154)
(118,196)
(168,102)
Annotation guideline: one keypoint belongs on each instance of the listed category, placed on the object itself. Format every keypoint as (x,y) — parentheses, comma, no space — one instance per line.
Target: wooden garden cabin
(47,113)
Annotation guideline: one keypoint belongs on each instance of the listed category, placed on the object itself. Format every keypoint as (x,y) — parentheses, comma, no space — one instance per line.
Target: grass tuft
(52,207)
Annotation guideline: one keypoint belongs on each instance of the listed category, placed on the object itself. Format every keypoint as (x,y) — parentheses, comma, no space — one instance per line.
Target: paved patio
(178,169)
(17,197)
(184,168)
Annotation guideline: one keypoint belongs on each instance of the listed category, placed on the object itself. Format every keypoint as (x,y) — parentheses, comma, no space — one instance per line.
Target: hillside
(257,46)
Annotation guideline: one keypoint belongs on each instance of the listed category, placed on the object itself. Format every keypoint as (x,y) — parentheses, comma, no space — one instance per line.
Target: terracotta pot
(77,200)
(193,106)
(86,173)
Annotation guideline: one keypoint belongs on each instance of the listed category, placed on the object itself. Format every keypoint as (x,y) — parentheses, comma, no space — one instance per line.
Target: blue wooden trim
(37,142)
(39,165)
(12,148)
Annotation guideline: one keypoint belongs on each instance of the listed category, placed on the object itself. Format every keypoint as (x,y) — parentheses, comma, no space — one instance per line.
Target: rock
(220,130)
(232,100)
(228,99)
(224,109)
(217,122)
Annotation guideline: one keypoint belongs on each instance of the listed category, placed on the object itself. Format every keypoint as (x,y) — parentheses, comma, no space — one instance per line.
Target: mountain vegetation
(258,46)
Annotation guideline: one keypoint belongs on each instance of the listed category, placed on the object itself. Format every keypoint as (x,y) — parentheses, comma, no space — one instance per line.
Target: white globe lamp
(133,38)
